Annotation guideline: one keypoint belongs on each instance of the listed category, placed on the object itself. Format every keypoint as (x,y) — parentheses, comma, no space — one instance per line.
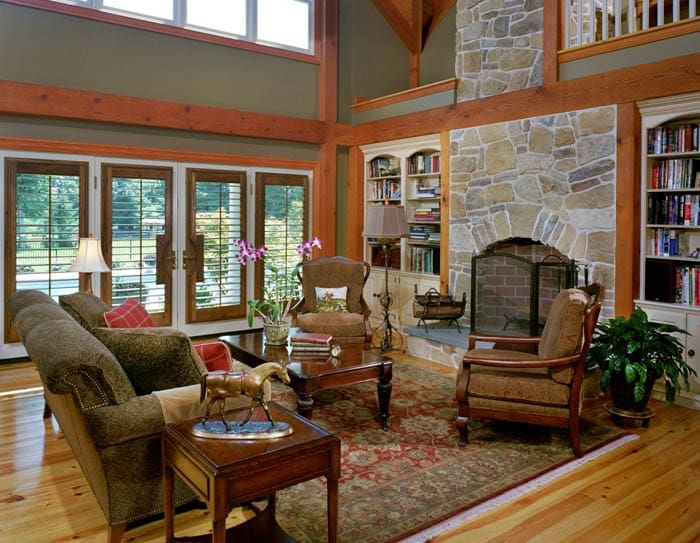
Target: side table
(225,473)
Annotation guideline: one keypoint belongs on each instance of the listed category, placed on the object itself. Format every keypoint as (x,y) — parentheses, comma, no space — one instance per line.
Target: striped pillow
(130,314)
(214,354)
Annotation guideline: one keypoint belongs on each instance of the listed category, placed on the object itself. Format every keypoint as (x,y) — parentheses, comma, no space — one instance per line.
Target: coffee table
(310,374)
(225,473)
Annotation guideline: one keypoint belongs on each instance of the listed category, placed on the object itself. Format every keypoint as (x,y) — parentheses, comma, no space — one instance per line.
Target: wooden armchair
(347,320)
(542,388)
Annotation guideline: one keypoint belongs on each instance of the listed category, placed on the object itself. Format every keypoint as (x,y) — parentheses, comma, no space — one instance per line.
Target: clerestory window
(286,24)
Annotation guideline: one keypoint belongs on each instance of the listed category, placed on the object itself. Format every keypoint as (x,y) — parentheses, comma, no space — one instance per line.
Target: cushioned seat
(542,388)
(332,300)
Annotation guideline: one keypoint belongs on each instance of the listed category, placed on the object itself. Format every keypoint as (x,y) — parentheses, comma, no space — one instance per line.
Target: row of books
(667,242)
(426,214)
(688,285)
(385,188)
(308,343)
(424,232)
(682,138)
(426,191)
(679,173)
(424,163)
(384,166)
(425,260)
(674,209)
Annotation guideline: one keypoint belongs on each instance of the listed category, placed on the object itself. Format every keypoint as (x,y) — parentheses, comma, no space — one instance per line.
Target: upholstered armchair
(332,301)
(543,387)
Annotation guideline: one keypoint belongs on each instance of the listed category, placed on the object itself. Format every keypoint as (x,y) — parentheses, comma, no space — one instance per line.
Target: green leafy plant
(282,285)
(635,348)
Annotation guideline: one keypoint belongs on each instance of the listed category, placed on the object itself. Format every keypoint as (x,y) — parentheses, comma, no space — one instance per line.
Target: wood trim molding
(150,153)
(653,80)
(160,28)
(550,34)
(635,39)
(41,100)
(628,201)
(356,204)
(403,96)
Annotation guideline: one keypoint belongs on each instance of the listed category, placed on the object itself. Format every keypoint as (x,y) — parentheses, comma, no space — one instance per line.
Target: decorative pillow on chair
(130,314)
(214,354)
(331,300)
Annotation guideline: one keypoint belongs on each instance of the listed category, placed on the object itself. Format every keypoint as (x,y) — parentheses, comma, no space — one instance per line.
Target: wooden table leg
(305,404)
(384,396)
(168,503)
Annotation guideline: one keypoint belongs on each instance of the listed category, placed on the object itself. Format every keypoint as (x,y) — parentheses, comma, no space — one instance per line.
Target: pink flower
(248,252)
(305,248)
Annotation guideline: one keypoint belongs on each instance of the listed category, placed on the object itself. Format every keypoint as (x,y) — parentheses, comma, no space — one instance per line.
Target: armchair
(350,324)
(542,388)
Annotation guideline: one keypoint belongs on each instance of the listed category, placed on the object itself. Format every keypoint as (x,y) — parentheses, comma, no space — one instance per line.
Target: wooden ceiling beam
(18,98)
(397,21)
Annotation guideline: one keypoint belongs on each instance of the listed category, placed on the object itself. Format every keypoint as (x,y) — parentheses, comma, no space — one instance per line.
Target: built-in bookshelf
(407,173)
(670,240)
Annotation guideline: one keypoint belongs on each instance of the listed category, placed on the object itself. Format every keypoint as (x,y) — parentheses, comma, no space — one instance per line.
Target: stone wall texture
(550,179)
(499,47)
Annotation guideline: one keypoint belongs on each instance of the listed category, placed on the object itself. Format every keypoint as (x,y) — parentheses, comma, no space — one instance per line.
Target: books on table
(311,343)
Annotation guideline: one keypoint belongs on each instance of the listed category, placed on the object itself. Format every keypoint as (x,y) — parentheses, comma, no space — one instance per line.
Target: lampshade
(386,221)
(89,257)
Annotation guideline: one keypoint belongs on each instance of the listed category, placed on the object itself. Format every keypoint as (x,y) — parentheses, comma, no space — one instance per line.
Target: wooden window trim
(151,26)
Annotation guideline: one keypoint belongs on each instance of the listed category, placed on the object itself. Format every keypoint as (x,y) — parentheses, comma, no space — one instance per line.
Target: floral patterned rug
(398,482)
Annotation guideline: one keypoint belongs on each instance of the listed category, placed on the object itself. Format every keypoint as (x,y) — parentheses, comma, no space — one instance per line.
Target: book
(311,346)
(311,337)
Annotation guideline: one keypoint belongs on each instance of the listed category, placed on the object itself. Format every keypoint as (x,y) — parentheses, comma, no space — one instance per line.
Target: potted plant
(281,289)
(633,353)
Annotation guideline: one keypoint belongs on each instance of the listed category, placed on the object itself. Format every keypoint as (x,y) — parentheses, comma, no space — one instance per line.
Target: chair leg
(47,410)
(115,534)
(574,436)
(461,424)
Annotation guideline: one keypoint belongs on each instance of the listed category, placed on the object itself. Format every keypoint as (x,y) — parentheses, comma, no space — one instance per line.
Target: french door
(215,284)
(137,234)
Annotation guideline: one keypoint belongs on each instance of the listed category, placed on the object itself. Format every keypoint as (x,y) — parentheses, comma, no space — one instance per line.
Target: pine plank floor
(646,491)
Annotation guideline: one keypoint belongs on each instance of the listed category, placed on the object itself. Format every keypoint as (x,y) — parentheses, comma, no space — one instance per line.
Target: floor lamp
(89,260)
(385,224)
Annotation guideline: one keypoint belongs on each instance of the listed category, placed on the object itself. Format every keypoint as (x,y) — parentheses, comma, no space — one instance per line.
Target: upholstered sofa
(112,391)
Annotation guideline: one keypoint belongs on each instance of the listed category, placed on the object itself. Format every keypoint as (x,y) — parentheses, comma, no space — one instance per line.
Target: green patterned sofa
(112,397)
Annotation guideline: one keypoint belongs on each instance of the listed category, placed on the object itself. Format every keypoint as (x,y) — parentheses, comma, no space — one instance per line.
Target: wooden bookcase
(408,173)
(670,230)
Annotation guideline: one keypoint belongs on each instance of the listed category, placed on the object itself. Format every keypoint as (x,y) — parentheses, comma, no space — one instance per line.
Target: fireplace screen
(512,294)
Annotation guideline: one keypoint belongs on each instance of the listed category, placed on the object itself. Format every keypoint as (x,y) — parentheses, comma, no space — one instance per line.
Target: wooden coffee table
(225,473)
(357,363)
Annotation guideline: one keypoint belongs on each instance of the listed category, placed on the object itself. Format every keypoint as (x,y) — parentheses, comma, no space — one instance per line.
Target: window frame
(86,10)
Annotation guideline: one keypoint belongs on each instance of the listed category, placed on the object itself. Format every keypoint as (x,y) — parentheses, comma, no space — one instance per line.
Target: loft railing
(588,22)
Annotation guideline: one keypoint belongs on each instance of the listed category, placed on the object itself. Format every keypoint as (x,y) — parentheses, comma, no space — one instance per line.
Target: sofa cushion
(331,299)
(214,354)
(71,360)
(153,358)
(129,314)
(85,308)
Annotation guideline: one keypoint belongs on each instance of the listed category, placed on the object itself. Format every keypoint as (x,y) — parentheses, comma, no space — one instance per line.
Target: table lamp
(386,223)
(89,259)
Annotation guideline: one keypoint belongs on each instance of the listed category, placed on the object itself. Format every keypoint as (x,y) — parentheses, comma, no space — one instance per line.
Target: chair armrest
(138,417)
(547,363)
(511,340)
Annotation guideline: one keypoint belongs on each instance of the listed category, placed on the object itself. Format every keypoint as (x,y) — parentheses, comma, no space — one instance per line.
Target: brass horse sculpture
(220,385)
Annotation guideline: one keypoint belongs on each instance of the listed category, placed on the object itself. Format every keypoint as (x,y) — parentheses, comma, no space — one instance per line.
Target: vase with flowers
(280,291)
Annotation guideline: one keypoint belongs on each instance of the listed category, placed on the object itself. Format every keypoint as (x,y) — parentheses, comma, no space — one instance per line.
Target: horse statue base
(216,429)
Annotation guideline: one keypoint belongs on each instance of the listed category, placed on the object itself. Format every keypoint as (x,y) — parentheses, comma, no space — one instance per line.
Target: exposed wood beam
(550,65)
(416,46)
(656,79)
(395,19)
(41,100)
(440,9)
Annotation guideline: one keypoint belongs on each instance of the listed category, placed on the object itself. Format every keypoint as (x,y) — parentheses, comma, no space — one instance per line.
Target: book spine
(304,348)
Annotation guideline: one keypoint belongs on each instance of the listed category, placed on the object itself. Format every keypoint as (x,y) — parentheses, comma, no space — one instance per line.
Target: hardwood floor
(646,491)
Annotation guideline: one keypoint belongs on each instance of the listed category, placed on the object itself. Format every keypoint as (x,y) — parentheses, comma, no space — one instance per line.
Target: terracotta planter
(276,334)
(623,393)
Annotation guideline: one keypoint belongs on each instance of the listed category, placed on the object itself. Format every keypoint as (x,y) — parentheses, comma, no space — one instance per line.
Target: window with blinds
(216,218)
(282,200)
(46,216)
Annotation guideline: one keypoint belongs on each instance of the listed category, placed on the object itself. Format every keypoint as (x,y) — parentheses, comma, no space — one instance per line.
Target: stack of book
(307,343)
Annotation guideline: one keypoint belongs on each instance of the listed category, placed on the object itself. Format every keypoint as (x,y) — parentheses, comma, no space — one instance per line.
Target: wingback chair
(347,320)
(538,388)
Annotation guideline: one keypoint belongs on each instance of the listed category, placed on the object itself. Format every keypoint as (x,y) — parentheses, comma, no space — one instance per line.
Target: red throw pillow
(130,314)
(214,354)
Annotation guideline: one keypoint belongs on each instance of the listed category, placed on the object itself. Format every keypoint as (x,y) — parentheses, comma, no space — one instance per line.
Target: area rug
(397,483)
